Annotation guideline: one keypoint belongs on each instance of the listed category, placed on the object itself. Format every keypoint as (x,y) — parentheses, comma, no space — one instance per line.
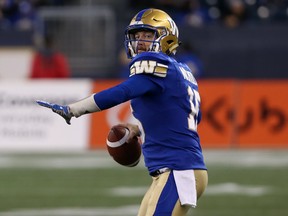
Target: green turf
(36,188)
(26,188)
(270,204)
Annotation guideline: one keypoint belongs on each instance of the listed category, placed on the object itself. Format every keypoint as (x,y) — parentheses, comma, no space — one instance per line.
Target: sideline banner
(244,113)
(25,126)
(236,114)
(262,118)
(217,101)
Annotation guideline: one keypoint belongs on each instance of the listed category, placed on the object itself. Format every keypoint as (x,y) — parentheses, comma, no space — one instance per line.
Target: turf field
(250,183)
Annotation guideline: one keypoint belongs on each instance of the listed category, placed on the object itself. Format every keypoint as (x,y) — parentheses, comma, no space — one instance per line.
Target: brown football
(123,152)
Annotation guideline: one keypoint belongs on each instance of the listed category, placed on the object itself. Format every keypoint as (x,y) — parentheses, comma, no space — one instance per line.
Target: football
(123,152)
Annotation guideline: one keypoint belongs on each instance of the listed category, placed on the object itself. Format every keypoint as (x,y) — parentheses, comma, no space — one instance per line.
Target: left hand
(61,110)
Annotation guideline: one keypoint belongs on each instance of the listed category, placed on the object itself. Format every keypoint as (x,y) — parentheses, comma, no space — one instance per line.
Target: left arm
(133,87)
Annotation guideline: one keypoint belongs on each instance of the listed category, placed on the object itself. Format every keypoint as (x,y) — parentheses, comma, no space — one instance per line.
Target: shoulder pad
(149,63)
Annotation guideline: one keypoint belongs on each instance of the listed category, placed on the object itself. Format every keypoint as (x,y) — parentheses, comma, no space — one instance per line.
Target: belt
(159,171)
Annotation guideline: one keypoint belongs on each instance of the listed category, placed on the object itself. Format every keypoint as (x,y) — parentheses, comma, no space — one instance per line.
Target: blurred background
(62,51)
(225,39)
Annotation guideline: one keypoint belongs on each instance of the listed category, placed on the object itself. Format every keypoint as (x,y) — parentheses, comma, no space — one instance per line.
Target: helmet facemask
(131,43)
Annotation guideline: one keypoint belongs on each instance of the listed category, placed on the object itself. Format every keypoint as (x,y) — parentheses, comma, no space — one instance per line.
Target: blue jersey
(165,99)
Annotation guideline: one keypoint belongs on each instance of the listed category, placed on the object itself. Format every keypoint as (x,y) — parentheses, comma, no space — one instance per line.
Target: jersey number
(194,104)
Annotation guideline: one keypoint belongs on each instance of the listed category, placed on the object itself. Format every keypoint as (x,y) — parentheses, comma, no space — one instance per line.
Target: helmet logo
(173,27)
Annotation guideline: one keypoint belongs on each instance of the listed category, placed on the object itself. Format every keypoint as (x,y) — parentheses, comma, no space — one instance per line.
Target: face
(144,40)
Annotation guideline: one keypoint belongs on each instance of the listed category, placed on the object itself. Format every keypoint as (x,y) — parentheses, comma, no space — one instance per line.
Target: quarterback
(166,102)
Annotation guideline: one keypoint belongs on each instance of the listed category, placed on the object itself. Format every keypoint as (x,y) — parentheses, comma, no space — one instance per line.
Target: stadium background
(48,168)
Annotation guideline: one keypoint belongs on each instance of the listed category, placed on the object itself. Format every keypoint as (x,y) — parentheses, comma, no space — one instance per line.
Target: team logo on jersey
(149,67)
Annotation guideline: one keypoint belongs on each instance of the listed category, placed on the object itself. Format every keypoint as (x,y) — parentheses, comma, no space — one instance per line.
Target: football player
(165,99)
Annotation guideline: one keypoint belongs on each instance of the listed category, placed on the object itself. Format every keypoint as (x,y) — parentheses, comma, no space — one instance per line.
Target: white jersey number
(195,106)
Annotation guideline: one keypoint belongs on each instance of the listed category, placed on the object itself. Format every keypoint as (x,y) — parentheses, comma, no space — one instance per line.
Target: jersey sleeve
(133,87)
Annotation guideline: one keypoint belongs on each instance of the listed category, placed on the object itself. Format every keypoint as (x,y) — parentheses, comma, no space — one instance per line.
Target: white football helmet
(164,28)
